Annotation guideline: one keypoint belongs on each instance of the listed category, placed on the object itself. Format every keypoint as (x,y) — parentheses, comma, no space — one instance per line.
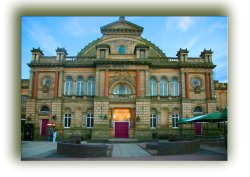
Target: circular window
(121,49)
(196,82)
(47,81)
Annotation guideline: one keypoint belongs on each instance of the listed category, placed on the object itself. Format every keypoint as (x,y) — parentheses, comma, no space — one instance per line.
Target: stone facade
(128,72)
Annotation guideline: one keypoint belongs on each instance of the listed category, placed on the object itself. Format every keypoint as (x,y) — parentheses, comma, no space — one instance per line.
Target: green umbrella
(211,117)
(224,114)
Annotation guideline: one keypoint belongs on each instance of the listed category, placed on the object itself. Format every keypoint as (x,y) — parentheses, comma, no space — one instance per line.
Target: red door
(44,126)
(121,129)
(198,128)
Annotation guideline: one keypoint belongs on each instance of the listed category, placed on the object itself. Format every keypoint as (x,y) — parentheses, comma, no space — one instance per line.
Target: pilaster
(207,80)
(106,90)
(138,84)
(187,86)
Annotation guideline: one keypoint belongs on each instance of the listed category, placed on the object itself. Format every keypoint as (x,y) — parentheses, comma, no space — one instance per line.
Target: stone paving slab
(128,150)
(37,149)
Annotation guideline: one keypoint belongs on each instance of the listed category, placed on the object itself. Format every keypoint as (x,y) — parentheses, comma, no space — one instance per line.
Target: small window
(90,120)
(67,120)
(153,119)
(121,49)
(175,118)
(142,53)
(102,53)
(24,98)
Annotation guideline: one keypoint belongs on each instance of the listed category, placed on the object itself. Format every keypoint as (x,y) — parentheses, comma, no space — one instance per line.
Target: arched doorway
(44,113)
(198,125)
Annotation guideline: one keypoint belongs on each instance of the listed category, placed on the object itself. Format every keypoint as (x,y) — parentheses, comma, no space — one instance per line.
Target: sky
(168,33)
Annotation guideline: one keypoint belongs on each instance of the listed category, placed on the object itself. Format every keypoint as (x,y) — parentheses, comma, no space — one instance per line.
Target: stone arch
(153,110)
(126,83)
(154,77)
(164,77)
(198,110)
(67,110)
(44,109)
(69,75)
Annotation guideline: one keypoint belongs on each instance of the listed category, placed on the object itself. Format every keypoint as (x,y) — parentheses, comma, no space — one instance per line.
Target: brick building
(120,85)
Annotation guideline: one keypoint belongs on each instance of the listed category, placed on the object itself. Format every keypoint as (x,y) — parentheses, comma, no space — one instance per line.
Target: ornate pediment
(123,27)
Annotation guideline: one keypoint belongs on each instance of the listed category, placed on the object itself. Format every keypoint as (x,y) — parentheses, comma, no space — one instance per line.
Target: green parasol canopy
(211,117)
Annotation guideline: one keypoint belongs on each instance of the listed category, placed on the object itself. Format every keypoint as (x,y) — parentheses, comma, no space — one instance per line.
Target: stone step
(122,140)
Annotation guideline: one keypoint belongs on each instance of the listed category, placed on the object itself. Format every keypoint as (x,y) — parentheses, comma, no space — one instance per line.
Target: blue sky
(168,33)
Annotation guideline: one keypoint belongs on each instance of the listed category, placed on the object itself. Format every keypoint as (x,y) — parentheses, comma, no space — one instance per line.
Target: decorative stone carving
(122,76)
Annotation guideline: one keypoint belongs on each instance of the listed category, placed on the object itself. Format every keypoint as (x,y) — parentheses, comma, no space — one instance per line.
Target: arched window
(163,87)
(121,90)
(121,49)
(153,119)
(44,110)
(198,110)
(68,88)
(79,86)
(153,86)
(174,87)
(91,86)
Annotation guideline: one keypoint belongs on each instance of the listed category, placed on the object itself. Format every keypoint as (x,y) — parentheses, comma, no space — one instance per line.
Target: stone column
(183,93)
(147,84)
(138,84)
(35,84)
(212,85)
(169,87)
(97,83)
(74,89)
(207,85)
(56,84)
(187,85)
(106,89)
(31,84)
(60,84)
(158,88)
(85,88)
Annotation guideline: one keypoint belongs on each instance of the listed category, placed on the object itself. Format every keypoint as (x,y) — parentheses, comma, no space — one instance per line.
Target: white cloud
(41,36)
(75,27)
(184,23)
(192,42)
(216,26)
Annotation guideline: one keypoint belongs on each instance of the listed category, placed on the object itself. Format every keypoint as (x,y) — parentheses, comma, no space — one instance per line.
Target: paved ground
(44,151)
(128,150)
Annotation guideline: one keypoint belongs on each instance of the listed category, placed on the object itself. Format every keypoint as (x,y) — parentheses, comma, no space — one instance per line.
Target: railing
(122,96)
(93,59)
(164,98)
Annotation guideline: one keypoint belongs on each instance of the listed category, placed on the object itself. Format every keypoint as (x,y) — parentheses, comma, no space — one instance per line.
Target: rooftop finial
(121,18)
